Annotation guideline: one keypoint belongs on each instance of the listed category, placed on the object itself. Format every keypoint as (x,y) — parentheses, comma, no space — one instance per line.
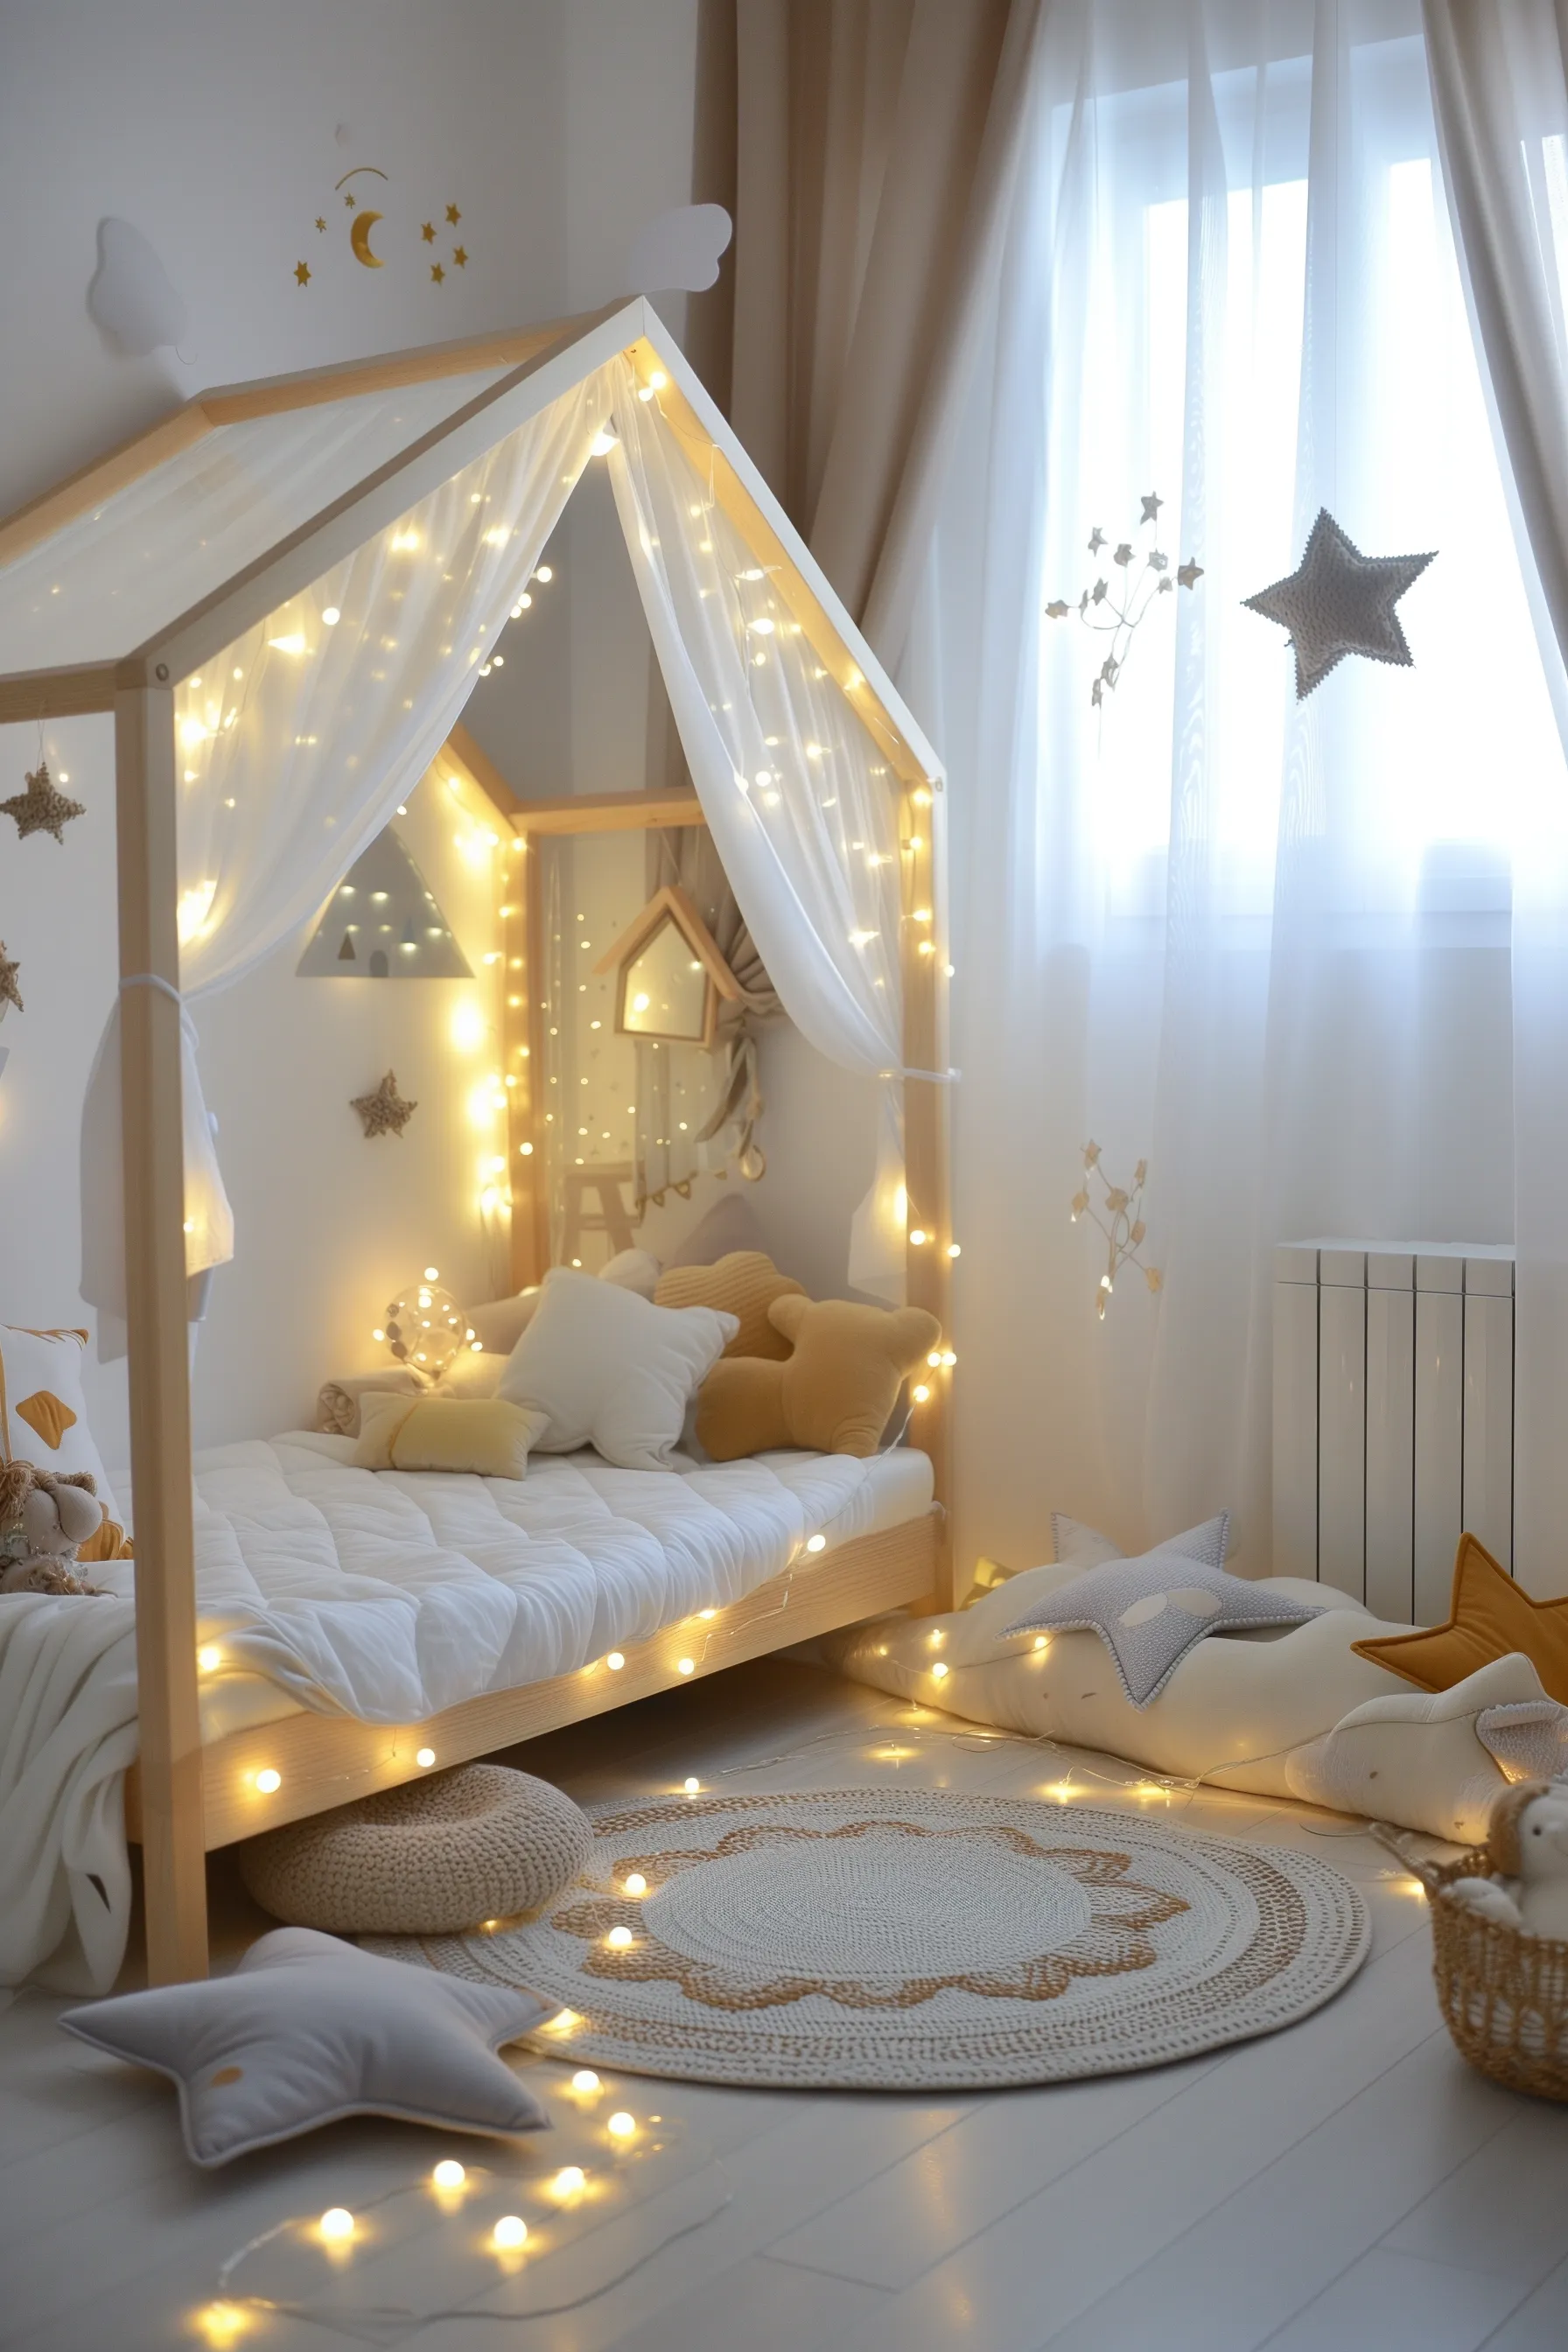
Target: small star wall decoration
(437,273)
(1189,574)
(461,256)
(9,991)
(301,273)
(428,231)
(384,1112)
(41,809)
(321,224)
(349,202)
(1339,602)
(453,214)
(1152,506)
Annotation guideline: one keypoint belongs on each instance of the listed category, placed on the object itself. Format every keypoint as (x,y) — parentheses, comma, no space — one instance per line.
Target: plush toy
(835,1393)
(43,1520)
(1527,1845)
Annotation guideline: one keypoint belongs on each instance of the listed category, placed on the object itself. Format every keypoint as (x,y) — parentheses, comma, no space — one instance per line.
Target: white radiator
(1393,1417)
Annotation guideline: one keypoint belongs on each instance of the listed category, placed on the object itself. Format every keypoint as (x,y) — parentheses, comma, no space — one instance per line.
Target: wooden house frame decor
(671,906)
(182,1799)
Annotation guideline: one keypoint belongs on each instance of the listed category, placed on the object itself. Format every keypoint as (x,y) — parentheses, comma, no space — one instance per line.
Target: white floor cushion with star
(307,2030)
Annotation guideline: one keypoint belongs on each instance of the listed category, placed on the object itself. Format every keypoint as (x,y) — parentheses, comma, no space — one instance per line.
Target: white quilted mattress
(389,1595)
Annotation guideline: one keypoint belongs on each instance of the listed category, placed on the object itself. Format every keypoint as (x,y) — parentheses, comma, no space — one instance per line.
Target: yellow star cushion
(1489,1616)
(745,1283)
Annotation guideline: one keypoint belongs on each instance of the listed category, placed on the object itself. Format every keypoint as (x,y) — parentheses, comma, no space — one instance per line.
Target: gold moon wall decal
(359,238)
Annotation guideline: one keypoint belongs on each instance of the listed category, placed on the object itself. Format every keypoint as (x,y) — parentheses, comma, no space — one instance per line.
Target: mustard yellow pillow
(745,1285)
(1489,1616)
(485,1436)
(836,1392)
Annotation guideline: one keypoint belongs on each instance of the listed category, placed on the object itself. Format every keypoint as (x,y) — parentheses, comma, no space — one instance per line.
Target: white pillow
(43,1418)
(308,2029)
(611,1369)
(633,1269)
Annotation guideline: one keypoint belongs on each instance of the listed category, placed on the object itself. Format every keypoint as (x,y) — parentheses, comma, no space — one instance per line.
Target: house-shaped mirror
(669,973)
(382,922)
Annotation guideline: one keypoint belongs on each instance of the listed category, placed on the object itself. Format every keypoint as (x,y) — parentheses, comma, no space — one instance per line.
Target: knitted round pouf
(478,1842)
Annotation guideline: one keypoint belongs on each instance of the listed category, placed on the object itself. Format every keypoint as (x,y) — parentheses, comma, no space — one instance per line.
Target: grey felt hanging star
(1339,602)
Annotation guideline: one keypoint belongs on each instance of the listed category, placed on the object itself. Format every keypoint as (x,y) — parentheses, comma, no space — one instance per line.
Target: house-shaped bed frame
(182,1798)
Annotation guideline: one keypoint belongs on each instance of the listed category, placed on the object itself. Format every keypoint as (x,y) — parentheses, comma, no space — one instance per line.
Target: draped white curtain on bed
(296,744)
(1263,947)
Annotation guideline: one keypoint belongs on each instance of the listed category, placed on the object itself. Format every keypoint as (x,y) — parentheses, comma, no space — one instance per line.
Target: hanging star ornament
(41,809)
(1339,602)
(384,1112)
(9,991)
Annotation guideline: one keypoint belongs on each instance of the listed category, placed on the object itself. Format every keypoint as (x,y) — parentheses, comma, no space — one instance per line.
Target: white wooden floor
(1349,2183)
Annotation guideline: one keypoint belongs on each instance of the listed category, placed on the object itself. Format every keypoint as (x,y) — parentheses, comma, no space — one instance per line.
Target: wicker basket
(1504,1995)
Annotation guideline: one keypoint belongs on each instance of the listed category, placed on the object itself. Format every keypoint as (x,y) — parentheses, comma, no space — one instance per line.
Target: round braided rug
(913,1939)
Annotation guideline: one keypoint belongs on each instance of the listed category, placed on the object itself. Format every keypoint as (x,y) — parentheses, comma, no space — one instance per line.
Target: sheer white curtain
(1262,946)
(1500,85)
(296,744)
(802,805)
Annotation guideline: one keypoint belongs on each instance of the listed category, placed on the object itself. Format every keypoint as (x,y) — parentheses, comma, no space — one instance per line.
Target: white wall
(556,126)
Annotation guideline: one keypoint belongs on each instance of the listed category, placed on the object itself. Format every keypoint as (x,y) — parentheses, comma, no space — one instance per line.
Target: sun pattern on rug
(1114,1942)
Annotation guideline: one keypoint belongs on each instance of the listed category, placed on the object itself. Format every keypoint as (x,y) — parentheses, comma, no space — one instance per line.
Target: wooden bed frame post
(172,1840)
(928,1263)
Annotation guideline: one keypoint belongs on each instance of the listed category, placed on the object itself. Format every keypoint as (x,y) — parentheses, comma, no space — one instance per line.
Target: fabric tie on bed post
(801,804)
(294,752)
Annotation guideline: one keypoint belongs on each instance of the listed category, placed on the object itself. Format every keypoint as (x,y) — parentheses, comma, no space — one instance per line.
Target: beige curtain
(875,141)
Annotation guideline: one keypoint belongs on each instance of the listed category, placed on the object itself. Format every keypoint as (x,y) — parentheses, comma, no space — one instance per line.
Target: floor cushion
(480,1842)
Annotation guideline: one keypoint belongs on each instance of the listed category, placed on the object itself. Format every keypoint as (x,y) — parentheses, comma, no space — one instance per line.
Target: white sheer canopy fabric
(296,744)
(294,747)
(800,803)
(1499,89)
(1262,946)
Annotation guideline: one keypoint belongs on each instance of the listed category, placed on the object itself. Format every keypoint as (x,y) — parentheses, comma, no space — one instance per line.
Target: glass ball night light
(425,1328)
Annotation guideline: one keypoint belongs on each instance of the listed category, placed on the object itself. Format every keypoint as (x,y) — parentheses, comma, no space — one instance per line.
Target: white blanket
(385,1595)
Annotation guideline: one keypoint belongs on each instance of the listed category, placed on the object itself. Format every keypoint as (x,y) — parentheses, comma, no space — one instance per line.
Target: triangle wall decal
(382,922)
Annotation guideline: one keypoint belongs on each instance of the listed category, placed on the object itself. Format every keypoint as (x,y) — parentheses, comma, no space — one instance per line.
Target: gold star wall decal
(436,272)
(348,200)
(9,991)
(384,1112)
(301,273)
(41,809)
(461,256)
(428,231)
(453,214)
(321,224)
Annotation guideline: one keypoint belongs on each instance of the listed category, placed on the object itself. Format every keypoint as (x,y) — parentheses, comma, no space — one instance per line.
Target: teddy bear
(1527,1844)
(43,1518)
(835,1393)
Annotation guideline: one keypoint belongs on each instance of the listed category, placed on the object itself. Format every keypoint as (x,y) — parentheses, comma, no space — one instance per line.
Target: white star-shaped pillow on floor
(1339,602)
(309,2029)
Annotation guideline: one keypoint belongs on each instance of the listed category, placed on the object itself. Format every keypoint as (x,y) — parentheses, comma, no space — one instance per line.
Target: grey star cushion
(1150,1611)
(308,2029)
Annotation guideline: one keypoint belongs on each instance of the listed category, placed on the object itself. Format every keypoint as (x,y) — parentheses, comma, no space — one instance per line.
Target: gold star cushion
(1489,1616)
(745,1285)
(43,1419)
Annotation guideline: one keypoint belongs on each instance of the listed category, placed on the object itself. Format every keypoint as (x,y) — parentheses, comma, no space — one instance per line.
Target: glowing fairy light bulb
(424,1757)
(336,2225)
(614,1661)
(619,1938)
(510,2232)
(816,1543)
(691,1784)
(449,2173)
(585,2082)
(569,2181)
(208,1659)
(622,2125)
(635,1882)
(267,1779)
(686,1665)
(939,1673)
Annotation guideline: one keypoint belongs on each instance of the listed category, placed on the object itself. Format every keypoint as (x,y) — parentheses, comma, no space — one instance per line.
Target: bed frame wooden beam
(315,1754)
